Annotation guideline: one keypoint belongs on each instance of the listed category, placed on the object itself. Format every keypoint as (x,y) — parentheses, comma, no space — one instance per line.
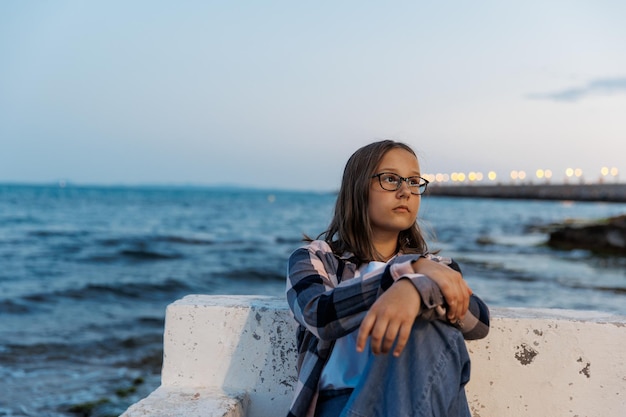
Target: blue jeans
(428,379)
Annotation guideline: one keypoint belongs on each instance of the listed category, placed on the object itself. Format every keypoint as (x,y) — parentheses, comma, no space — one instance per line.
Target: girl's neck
(386,258)
(386,250)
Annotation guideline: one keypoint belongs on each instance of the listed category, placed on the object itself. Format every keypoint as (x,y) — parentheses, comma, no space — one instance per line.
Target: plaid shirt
(329,301)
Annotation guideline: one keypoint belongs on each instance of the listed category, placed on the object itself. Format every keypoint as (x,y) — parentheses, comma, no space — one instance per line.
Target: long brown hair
(349,229)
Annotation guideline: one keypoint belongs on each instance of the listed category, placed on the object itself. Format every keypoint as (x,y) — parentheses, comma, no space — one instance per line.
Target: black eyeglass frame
(423,184)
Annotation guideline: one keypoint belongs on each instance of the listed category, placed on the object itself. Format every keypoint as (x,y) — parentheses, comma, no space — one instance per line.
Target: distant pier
(615,192)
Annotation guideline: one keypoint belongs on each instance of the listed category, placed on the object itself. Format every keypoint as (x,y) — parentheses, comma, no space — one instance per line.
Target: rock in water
(605,236)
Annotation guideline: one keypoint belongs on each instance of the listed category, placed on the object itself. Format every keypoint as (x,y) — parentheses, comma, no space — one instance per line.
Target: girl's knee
(432,338)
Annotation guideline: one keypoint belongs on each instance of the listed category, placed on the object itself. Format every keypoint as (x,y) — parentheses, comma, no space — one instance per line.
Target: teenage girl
(382,322)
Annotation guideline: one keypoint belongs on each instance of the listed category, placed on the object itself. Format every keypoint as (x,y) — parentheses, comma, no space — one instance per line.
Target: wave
(148,255)
(132,290)
(146,240)
(183,240)
(250,274)
(144,248)
(289,240)
(133,254)
(602,288)
(19,220)
(45,233)
(12,307)
(142,351)
(128,290)
(615,290)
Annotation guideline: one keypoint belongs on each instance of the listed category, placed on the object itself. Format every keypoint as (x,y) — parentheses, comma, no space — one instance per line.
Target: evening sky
(280,93)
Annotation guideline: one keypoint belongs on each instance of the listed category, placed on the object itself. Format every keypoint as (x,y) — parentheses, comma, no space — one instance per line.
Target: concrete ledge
(177,402)
(533,363)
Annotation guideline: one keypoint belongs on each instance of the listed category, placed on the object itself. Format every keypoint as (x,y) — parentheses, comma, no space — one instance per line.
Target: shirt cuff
(429,291)
(401,269)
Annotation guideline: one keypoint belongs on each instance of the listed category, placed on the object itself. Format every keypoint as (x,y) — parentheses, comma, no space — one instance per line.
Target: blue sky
(279,93)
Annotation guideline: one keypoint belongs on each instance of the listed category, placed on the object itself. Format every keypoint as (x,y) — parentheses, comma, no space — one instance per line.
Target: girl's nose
(404,188)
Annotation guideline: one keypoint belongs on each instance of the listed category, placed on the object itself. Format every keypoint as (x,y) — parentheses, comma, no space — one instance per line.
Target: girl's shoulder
(317,255)
(320,245)
(323,249)
(317,248)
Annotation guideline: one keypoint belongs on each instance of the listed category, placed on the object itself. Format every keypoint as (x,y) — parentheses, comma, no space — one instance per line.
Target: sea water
(87,272)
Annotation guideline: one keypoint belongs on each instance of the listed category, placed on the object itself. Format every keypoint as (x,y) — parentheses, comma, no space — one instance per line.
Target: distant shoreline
(615,192)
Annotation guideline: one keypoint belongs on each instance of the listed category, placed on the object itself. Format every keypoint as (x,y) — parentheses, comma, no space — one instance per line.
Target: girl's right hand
(390,319)
(451,283)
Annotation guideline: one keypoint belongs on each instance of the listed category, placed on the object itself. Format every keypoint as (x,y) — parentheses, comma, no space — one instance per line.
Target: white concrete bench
(235,356)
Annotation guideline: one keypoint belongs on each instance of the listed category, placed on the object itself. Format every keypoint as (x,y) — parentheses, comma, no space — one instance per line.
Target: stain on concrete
(586,371)
(525,354)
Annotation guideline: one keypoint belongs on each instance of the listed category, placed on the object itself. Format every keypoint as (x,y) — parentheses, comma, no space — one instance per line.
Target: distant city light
(428,177)
(543,173)
(457,177)
(475,176)
(520,176)
(605,172)
(442,177)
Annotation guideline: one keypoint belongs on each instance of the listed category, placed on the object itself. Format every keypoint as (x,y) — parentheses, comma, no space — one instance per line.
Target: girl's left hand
(390,319)
(451,283)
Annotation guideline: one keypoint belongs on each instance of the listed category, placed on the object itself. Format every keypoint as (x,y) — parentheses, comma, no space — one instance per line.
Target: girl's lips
(402,208)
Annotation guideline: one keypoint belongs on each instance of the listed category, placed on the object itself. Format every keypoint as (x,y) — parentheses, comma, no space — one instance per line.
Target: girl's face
(391,212)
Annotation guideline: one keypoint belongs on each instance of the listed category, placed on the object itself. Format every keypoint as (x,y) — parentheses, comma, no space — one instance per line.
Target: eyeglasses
(392,182)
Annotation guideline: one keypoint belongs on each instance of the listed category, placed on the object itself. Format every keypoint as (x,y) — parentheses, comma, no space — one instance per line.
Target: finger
(377,335)
(390,336)
(452,310)
(403,338)
(453,301)
(364,331)
(468,293)
(450,294)
(462,302)
(461,306)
